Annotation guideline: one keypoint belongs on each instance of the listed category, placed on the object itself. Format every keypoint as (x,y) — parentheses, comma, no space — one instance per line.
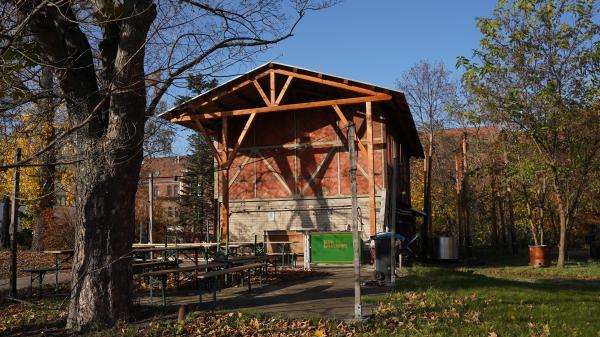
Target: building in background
(167,186)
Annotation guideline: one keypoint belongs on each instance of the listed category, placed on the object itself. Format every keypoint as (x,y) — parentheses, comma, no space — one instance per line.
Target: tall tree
(538,71)
(46,180)
(196,200)
(101,52)
(429,89)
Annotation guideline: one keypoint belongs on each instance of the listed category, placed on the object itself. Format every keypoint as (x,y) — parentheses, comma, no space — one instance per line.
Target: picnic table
(210,272)
(60,257)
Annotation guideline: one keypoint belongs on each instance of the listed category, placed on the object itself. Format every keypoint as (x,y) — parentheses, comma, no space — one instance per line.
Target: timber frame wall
(283,162)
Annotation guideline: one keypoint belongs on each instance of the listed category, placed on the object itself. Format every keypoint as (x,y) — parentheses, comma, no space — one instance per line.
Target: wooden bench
(160,276)
(143,267)
(213,275)
(39,273)
(204,276)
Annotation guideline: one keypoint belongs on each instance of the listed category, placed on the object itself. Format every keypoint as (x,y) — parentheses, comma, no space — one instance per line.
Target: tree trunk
(494,214)
(562,244)
(502,221)
(426,232)
(511,212)
(45,211)
(459,204)
(465,199)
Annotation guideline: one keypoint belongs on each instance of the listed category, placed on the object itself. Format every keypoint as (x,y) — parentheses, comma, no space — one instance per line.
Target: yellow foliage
(29,141)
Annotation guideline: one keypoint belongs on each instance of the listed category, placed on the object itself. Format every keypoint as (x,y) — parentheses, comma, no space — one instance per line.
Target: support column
(225,183)
(371,169)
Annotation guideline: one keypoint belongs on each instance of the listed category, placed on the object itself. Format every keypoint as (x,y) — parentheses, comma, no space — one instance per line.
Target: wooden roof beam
(287,107)
(239,141)
(283,90)
(203,131)
(230,90)
(262,93)
(342,117)
(316,79)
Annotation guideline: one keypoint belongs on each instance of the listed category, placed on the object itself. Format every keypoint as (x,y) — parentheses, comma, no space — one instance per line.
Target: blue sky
(376,40)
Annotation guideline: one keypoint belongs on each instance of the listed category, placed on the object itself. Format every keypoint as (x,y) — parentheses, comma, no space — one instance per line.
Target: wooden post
(14,219)
(355,238)
(5,225)
(371,169)
(394,184)
(150,206)
(272,87)
(225,183)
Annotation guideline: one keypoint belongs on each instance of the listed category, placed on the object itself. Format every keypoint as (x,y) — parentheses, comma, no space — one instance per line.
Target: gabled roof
(259,91)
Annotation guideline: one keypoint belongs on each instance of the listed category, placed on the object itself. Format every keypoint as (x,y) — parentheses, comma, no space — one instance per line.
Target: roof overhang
(265,90)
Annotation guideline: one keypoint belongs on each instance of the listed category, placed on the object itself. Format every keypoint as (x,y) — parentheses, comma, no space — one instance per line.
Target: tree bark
(101,284)
(426,232)
(494,214)
(562,244)
(465,199)
(45,211)
(110,150)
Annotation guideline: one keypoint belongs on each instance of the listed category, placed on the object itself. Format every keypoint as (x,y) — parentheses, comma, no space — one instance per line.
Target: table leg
(214,291)
(249,280)
(57,264)
(164,285)
(196,263)
(40,284)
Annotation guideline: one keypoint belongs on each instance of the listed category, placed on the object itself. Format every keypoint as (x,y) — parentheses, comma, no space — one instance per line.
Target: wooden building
(279,137)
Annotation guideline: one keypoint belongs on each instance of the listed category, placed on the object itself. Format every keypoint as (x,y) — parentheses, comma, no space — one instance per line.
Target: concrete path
(331,295)
(23,281)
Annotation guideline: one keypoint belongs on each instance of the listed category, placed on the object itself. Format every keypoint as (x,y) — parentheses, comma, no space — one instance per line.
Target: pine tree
(196,200)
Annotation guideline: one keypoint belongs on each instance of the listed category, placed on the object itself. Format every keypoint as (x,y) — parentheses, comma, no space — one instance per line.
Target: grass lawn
(500,298)
(502,301)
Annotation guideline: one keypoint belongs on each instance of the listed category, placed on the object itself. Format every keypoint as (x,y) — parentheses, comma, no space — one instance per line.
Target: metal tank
(445,248)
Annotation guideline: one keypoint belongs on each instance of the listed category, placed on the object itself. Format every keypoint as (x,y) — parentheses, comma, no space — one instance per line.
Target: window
(156,191)
(170,191)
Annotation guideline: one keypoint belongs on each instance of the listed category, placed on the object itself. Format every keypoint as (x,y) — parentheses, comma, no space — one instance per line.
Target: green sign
(331,247)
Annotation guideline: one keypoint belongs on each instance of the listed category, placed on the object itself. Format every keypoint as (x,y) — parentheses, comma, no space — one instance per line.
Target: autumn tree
(429,89)
(102,53)
(537,71)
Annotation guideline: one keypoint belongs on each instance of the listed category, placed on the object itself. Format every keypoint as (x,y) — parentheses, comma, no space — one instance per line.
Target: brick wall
(253,217)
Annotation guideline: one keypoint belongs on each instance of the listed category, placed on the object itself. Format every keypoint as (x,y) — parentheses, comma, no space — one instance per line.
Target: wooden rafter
(275,173)
(340,114)
(240,140)
(327,82)
(371,168)
(208,140)
(284,90)
(230,90)
(272,86)
(287,107)
(318,169)
(225,182)
(261,92)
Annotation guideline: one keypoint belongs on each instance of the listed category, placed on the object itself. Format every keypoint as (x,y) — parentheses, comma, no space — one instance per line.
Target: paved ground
(23,282)
(331,295)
